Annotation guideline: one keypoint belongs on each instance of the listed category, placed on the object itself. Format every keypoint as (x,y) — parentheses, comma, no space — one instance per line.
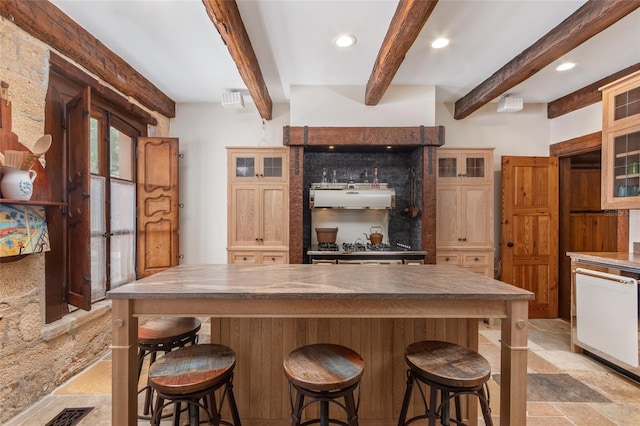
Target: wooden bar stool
(451,370)
(162,335)
(192,374)
(325,373)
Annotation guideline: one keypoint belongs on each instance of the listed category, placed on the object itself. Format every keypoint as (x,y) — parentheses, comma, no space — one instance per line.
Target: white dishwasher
(607,316)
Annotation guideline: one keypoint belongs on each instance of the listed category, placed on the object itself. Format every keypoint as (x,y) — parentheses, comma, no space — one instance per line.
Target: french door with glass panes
(113,202)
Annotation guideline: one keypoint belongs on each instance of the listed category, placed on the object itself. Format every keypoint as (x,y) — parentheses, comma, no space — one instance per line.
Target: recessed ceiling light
(565,66)
(344,40)
(439,43)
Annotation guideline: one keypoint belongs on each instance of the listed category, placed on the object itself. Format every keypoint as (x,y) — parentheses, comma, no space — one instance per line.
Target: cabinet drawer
(475,259)
(276,258)
(448,259)
(243,258)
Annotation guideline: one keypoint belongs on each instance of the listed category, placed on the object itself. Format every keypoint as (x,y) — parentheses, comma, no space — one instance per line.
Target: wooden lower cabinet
(261,344)
(258,257)
(479,261)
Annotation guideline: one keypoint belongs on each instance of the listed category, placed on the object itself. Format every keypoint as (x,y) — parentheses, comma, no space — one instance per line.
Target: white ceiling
(174,44)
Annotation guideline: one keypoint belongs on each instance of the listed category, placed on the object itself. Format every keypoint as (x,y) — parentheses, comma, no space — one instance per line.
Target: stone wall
(36,357)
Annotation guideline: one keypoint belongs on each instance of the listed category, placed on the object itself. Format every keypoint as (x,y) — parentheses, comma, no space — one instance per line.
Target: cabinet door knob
(244,258)
(446,258)
(476,259)
(509,244)
(464,239)
(257,239)
(273,259)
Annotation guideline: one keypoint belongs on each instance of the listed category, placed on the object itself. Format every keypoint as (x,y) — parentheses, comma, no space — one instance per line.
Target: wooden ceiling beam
(50,25)
(593,17)
(226,18)
(405,26)
(586,96)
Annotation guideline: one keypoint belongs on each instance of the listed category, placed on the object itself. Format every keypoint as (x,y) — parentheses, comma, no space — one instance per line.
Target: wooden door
(158,203)
(530,230)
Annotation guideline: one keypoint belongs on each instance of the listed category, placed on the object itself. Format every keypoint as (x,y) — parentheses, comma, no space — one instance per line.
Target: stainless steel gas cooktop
(334,252)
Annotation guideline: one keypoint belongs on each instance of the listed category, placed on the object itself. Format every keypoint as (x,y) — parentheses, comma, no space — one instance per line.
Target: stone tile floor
(591,393)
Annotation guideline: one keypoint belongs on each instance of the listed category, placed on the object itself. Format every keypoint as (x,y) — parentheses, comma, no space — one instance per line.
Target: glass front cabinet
(464,165)
(258,165)
(621,144)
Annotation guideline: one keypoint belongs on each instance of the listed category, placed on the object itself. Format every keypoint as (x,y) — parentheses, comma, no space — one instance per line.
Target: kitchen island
(264,311)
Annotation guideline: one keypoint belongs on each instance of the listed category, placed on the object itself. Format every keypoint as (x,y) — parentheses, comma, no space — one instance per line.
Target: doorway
(584,226)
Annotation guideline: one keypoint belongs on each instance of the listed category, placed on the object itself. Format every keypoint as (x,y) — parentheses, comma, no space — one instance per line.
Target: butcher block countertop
(298,282)
(628,260)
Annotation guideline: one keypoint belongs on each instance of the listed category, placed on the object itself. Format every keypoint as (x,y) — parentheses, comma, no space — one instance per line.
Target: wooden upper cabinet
(258,165)
(621,144)
(622,102)
(464,165)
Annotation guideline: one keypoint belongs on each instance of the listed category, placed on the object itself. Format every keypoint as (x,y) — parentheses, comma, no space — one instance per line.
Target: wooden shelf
(32,202)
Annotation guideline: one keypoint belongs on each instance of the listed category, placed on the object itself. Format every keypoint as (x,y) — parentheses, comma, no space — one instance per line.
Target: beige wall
(36,358)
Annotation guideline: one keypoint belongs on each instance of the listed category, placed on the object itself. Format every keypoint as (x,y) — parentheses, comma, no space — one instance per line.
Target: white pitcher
(17,184)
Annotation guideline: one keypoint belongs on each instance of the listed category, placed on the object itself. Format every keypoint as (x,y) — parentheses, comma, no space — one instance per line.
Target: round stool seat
(450,371)
(447,364)
(192,369)
(325,373)
(323,367)
(167,330)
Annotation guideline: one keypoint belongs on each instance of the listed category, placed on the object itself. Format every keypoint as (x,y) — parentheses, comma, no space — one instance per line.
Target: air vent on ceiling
(510,104)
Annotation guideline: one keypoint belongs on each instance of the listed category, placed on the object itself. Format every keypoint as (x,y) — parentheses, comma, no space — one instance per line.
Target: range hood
(352,196)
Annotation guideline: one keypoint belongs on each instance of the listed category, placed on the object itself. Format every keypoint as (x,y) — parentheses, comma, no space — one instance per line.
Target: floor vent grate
(69,416)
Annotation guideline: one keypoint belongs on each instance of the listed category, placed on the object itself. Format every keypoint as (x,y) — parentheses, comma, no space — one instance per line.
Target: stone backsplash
(394,168)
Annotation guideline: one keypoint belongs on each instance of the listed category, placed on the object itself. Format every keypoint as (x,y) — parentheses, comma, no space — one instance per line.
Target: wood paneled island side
(264,311)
